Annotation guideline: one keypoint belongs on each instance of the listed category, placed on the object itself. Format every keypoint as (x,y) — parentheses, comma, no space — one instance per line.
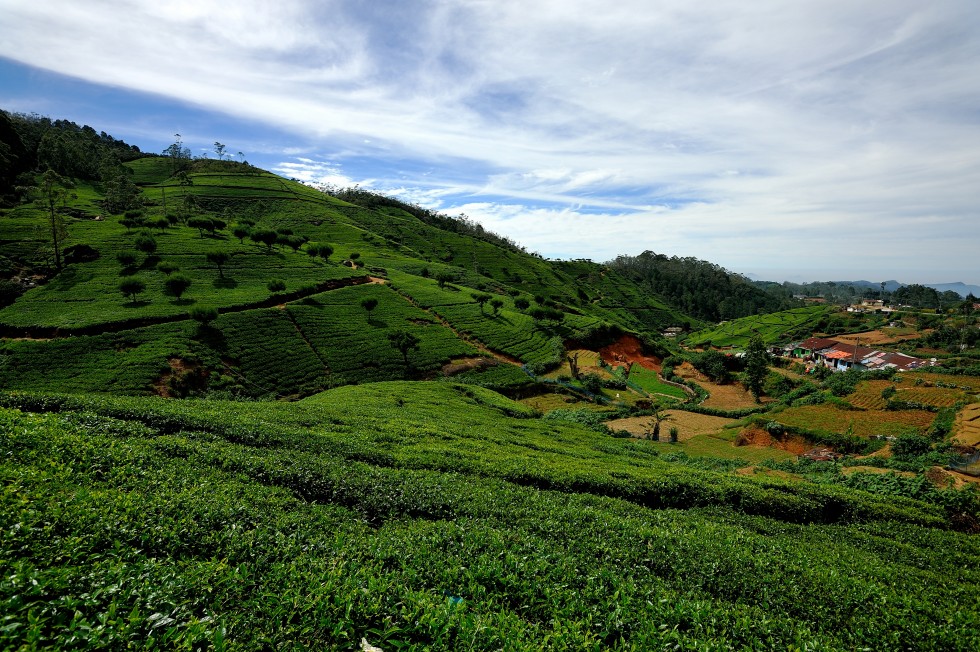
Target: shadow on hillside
(377,323)
(185,301)
(150,262)
(137,304)
(128,271)
(226,283)
(212,337)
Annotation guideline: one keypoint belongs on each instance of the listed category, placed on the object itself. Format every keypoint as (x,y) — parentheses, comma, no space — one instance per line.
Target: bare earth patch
(688,424)
(627,350)
(877,337)
(756,436)
(725,397)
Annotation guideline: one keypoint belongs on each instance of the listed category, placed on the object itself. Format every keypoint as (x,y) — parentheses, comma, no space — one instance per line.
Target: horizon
(803,144)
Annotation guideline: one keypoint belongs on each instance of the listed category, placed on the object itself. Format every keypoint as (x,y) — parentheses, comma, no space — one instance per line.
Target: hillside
(238,412)
(422,278)
(445,517)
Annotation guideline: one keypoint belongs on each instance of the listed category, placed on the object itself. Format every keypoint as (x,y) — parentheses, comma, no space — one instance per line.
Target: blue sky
(803,141)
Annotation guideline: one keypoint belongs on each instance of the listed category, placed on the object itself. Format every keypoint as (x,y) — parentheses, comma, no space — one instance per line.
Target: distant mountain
(960,288)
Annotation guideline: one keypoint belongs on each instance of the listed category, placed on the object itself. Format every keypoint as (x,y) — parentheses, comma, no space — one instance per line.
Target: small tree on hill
(167,267)
(756,366)
(496,304)
(127,258)
(442,278)
(264,236)
(146,243)
(369,304)
(521,303)
(176,285)
(404,342)
(277,285)
(203,316)
(202,224)
(131,287)
(53,189)
(481,298)
(319,250)
(241,232)
(218,259)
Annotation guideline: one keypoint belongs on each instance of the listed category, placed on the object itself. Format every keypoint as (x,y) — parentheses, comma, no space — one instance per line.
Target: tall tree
(404,342)
(52,189)
(756,366)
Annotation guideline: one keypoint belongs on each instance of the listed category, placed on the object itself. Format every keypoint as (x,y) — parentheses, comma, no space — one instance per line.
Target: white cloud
(767,126)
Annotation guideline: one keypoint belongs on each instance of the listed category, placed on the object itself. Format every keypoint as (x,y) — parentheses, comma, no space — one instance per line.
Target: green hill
(240,413)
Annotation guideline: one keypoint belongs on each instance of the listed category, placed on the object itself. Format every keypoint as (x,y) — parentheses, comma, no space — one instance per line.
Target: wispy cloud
(783,133)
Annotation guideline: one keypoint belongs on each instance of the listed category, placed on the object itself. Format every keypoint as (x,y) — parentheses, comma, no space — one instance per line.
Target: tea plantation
(440,516)
(242,413)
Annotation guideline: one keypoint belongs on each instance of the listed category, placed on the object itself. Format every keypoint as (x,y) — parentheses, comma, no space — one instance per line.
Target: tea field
(411,515)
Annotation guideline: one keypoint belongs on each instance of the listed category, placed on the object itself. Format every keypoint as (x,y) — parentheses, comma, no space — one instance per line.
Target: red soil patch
(627,350)
(755,436)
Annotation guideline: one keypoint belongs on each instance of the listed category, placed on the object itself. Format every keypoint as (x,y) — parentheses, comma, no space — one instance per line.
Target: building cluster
(841,356)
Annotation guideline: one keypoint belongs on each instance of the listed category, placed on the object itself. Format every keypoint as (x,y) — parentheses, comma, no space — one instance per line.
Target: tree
(146,243)
(219,150)
(369,304)
(277,285)
(176,285)
(656,419)
(481,298)
(404,342)
(217,258)
(202,224)
(130,287)
(442,278)
(319,250)
(756,366)
(168,267)
(521,303)
(496,304)
(127,258)
(203,316)
(52,190)
(592,383)
(241,232)
(178,155)
(264,236)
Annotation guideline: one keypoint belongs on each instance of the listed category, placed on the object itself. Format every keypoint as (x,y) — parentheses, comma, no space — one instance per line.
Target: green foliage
(910,445)
(773,328)
(167,267)
(277,285)
(177,284)
(756,366)
(130,287)
(403,342)
(203,315)
(218,259)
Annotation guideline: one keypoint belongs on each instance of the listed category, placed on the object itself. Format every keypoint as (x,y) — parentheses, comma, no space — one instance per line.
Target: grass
(649,381)
(773,328)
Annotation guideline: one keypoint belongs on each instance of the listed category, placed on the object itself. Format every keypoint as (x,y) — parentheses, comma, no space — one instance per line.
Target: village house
(840,356)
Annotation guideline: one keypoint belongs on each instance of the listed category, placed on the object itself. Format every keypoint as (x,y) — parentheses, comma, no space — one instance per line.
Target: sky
(804,140)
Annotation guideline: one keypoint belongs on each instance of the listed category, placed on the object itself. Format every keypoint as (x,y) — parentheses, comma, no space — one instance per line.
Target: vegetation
(232,457)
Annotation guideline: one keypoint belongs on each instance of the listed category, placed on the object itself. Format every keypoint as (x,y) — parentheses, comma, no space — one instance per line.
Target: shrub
(176,285)
(910,445)
(127,258)
(131,287)
(277,285)
(203,315)
(168,267)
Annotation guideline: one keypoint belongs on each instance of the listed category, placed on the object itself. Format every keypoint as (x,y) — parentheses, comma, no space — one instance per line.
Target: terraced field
(966,430)
(773,328)
(862,423)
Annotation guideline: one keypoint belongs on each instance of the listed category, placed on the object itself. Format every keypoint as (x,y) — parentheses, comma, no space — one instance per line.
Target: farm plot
(936,396)
(927,378)
(271,353)
(733,396)
(510,332)
(772,328)
(830,419)
(966,430)
(127,362)
(867,394)
(354,343)
(649,381)
(688,424)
